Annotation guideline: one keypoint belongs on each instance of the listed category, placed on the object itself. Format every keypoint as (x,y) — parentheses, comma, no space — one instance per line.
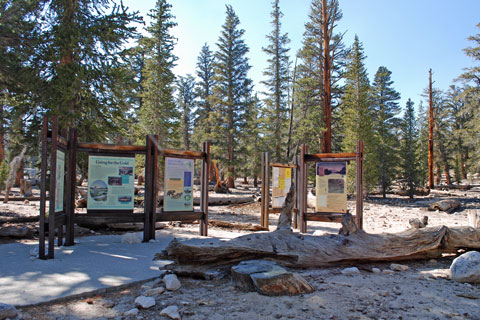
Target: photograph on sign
(110,182)
(331,191)
(282,179)
(60,180)
(178,184)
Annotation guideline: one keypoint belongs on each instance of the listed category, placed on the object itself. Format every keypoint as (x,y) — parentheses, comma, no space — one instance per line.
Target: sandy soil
(424,291)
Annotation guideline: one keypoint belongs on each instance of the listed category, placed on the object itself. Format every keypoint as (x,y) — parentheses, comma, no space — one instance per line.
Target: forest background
(89,62)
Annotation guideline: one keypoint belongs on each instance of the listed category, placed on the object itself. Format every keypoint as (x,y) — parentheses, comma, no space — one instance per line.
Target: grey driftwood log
(298,250)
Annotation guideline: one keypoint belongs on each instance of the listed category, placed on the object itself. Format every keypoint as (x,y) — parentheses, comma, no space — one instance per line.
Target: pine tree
(82,63)
(323,58)
(229,93)
(385,107)
(158,114)
(471,96)
(186,103)
(408,147)
(422,149)
(277,73)
(203,91)
(357,114)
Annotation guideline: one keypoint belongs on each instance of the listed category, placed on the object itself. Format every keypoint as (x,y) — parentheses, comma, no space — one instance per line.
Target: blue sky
(406,36)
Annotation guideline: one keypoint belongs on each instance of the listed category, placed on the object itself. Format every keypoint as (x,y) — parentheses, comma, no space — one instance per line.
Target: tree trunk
(298,250)
(327,98)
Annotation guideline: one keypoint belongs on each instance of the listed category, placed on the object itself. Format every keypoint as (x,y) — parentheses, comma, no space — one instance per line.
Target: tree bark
(298,250)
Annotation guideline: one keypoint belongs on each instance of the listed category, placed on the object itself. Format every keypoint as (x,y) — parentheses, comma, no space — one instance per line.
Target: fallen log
(236,225)
(298,250)
(445,205)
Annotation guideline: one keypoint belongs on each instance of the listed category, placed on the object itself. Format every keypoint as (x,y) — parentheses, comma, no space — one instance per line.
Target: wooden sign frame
(266,205)
(305,158)
(67,217)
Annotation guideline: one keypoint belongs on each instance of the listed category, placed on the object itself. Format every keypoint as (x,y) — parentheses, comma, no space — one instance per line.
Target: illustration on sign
(110,182)
(282,179)
(178,185)
(59,179)
(331,191)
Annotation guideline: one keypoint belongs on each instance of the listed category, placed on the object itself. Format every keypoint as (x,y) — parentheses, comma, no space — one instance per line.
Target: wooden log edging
(298,250)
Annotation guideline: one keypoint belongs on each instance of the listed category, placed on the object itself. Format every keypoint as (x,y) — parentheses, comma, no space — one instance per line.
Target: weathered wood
(447,205)
(303,251)
(18,219)
(110,147)
(322,156)
(283,165)
(43,190)
(236,225)
(173,153)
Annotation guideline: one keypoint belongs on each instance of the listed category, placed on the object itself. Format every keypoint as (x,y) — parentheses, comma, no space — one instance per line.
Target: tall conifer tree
(186,103)
(408,147)
(385,107)
(230,99)
(277,73)
(357,114)
(158,114)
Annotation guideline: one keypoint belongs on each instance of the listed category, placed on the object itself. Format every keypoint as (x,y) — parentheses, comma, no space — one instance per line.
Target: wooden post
(267,191)
(430,132)
(359,185)
(43,190)
(154,184)
(148,199)
(295,207)
(70,187)
(303,190)
(204,188)
(53,184)
(264,189)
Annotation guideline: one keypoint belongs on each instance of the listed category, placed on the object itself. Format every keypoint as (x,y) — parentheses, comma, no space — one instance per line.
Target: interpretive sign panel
(178,185)
(60,181)
(111,182)
(282,179)
(331,187)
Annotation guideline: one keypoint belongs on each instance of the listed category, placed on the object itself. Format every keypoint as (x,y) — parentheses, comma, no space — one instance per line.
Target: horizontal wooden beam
(325,217)
(173,153)
(282,165)
(326,156)
(121,148)
(179,216)
(102,218)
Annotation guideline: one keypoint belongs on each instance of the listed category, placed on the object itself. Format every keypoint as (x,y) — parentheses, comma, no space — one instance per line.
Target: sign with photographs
(60,181)
(282,179)
(111,182)
(331,187)
(178,185)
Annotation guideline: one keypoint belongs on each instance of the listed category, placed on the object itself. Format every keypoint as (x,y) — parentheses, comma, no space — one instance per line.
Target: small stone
(388,271)
(171,312)
(398,267)
(432,261)
(376,270)
(108,304)
(171,282)
(384,293)
(154,291)
(7,311)
(144,302)
(131,238)
(131,312)
(350,271)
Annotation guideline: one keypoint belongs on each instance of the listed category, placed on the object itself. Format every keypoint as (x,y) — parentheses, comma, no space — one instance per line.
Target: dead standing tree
(15,164)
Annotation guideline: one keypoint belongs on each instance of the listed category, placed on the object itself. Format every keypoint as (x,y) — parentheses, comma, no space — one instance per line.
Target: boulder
(171,312)
(268,278)
(466,268)
(144,302)
(171,282)
(154,291)
(7,311)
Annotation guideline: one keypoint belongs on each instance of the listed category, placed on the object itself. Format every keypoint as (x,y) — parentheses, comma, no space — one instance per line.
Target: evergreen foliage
(186,103)
(408,147)
(385,108)
(230,98)
(357,115)
(277,74)
(158,114)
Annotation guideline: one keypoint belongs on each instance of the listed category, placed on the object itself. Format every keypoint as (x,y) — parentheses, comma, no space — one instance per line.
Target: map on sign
(331,183)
